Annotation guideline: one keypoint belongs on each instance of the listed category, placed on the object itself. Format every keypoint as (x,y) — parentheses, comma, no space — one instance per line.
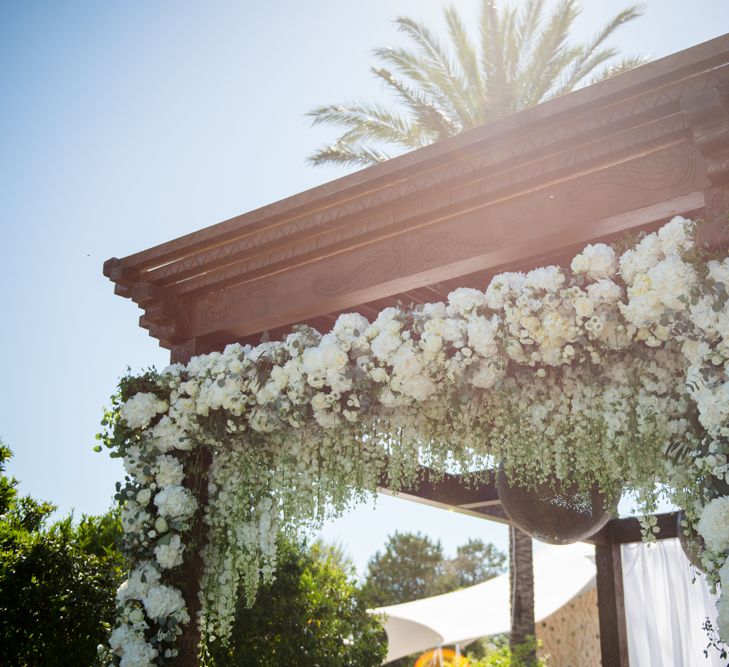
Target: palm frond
(467,60)
(372,122)
(525,28)
(549,55)
(444,73)
(627,63)
(426,113)
(589,60)
(568,82)
(409,65)
(348,156)
(492,58)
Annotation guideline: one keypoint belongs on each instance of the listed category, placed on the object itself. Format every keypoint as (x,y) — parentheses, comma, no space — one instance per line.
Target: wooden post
(611,605)
(192,568)
(521,578)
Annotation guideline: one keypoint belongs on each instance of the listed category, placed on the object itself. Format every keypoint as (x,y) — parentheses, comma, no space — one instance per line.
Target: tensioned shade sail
(560,574)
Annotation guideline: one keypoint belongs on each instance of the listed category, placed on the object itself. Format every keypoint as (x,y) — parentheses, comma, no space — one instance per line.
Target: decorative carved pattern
(717,204)
(248,257)
(167,315)
(571,635)
(505,223)
(219,304)
(707,115)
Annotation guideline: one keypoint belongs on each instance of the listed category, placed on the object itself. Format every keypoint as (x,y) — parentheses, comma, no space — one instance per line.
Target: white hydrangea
(141,408)
(134,518)
(713,406)
(132,647)
(719,271)
(133,463)
(464,301)
(501,286)
(144,575)
(138,654)
(169,471)
(164,601)
(175,502)
(486,375)
(596,261)
(350,330)
(547,278)
(168,435)
(636,261)
(713,525)
(169,555)
(604,291)
(482,335)
(676,236)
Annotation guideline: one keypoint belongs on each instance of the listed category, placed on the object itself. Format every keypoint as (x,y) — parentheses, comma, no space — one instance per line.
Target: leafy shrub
(57,581)
(312,614)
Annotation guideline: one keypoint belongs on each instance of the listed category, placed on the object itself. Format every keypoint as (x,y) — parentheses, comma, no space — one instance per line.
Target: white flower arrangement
(589,375)
(139,410)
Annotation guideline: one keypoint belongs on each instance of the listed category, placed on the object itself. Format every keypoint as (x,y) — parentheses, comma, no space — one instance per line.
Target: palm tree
(523,57)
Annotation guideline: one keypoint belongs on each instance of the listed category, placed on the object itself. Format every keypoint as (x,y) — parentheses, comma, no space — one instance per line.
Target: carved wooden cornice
(619,156)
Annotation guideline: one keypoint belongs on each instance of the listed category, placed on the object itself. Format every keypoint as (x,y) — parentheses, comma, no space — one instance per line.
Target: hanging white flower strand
(589,376)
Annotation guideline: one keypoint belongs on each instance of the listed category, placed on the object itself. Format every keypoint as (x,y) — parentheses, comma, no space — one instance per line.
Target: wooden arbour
(615,158)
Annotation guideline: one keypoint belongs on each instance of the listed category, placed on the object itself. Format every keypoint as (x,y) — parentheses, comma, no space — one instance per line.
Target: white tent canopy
(560,573)
(664,610)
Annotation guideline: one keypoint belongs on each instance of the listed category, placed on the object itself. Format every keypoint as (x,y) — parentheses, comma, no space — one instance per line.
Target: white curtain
(664,609)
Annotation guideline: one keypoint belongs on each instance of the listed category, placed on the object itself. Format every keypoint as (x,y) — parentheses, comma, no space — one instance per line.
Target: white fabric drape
(664,609)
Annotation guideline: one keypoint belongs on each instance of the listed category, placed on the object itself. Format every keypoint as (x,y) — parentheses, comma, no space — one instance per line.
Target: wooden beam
(618,156)
(611,606)
(508,236)
(659,79)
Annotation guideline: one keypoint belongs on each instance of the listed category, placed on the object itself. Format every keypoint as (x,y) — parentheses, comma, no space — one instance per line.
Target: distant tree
(412,566)
(312,615)
(406,570)
(57,580)
(475,561)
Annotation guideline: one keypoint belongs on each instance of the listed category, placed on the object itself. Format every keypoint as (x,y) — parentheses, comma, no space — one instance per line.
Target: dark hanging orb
(551,513)
(692,543)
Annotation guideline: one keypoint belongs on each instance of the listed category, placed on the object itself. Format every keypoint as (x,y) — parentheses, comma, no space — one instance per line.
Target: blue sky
(126,124)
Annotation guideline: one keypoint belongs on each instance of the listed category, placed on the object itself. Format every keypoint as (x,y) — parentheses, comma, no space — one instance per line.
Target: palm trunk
(521,579)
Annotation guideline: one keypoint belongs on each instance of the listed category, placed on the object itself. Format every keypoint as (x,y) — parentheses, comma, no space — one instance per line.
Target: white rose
(583,307)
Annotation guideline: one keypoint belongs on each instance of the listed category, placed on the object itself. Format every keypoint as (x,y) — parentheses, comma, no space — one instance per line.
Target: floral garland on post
(612,373)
